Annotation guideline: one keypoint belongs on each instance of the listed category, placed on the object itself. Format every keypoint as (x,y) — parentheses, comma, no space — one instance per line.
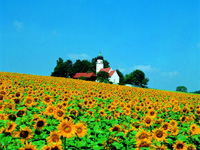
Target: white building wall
(114,78)
(99,65)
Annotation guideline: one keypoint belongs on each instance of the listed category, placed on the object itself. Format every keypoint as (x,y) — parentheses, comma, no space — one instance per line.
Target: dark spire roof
(100,56)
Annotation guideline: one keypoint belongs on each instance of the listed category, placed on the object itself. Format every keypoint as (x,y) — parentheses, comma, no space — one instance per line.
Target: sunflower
(160,147)
(194,129)
(3,117)
(173,123)
(21,112)
(50,110)
(29,101)
(152,113)
(102,113)
(46,147)
(59,114)
(54,138)
(25,134)
(191,147)
(56,146)
(116,102)
(174,131)
(127,111)
(39,124)
(28,146)
(11,126)
(142,143)
(116,128)
(165,126)
(47,100)
(81,129)
(67,128)
(179,145)
(143,134)
(183,119)
(116,114)
(147,121)
(74,112)
(197,112)
(159,134)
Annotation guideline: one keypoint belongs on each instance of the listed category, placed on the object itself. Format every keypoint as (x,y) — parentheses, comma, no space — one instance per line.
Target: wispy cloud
(146,68)
(170,74)
(18,25)
(79,56)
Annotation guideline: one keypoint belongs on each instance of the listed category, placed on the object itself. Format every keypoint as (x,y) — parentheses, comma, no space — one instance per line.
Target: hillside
(62,113)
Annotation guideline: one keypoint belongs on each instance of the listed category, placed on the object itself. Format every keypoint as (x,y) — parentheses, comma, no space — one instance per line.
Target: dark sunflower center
(144,144)
(16,100)
(24,134)
(143,136)
(159,134)
(17,94)
(165,127)
(55,138)
(148,121)
(1,97)
(40,123)
(152,113)
(115,129)
(60,113)
(179,146)
(47,99)
(50,110)
(55,148)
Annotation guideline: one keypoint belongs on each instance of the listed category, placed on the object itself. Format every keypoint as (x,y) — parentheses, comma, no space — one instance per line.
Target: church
(113,76)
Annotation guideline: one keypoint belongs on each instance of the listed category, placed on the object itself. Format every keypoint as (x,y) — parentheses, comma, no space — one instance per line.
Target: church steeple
(99,64)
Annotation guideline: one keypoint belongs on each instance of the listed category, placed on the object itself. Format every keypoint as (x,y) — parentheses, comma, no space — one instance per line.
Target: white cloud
(19,25)
(170,74)
(146,68)
(79,56)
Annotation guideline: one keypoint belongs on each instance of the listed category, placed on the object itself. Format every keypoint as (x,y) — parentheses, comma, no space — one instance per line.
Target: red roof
(87,75)
(111,73)
(105,69)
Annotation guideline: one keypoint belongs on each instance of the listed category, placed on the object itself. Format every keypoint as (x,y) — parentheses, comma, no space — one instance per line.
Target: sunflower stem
(64,143)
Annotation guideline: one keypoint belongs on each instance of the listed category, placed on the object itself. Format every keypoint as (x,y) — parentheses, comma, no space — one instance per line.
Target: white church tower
(99,64)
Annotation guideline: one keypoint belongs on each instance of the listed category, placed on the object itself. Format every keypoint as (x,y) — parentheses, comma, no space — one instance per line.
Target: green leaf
(117,145)
(170,141)
(182,137)
(120,134)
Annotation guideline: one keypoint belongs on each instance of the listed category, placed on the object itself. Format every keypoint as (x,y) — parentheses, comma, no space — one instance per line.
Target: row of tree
(69,69)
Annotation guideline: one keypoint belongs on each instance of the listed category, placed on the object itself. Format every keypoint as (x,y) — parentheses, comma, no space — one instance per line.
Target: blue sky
(159,37)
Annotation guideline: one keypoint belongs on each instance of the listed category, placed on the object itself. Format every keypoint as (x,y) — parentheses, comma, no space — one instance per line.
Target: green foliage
(136,77)
(68,69)
(83,78)
(62,68)
(181,89)
(103,76)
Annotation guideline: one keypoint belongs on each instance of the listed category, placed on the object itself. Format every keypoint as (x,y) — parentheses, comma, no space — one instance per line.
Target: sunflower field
(52,113)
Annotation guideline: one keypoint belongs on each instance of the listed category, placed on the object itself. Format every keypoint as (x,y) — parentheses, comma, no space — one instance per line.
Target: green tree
(103,76)
(81,66)
(69,65)
(61,69)
(181,89)
(121,77)
(136,77)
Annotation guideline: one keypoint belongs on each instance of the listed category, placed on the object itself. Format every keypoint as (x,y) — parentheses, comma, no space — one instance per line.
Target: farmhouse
(113,76)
